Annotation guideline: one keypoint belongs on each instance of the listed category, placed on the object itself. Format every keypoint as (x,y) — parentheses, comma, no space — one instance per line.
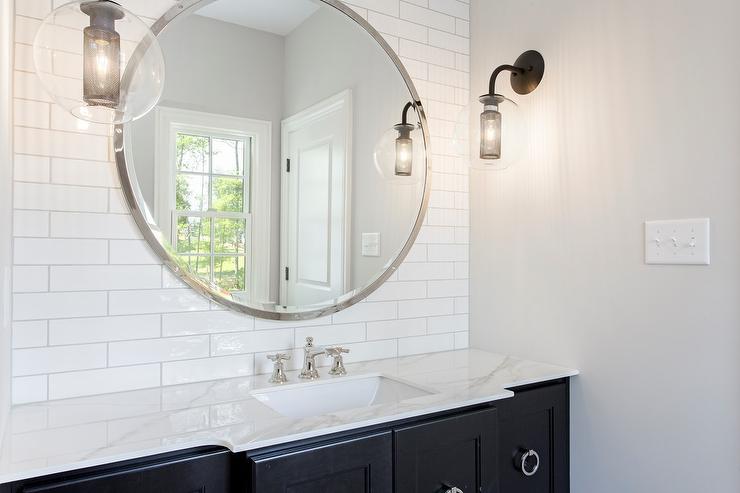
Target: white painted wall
(95,312)
(637,118)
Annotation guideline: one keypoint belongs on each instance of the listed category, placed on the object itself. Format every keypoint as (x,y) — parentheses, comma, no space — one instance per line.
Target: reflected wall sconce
(121,76)
(526,74)
(404,144)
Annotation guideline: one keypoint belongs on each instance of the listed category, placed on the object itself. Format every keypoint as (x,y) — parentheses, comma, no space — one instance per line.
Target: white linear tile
(157,350)
(132,252)
(392,329)
(60,144)
(42,251)
(29,334)
(426,344)
(451,7)
(104,277)
(58,305)
(206,322)
(31,113)
(93,382)
(399,290)
(59,197)
(38,8)
(199,370)
(29,389)
(426,271)
(31,168)
(30,223)
(156,301)
(397,27)
(103,329)
(77,172)
(327,335)
(426,308)
(30,279)
(58,359)
(447,323)
(444,289)
(366,312)
(427,17)
(252,341)
(82,225)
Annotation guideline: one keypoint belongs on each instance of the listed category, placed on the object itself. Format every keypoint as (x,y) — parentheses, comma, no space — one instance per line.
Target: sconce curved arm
(495,74)
(404,114)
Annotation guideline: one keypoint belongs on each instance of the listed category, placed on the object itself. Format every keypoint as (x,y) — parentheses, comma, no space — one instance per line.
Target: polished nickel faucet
(309,370)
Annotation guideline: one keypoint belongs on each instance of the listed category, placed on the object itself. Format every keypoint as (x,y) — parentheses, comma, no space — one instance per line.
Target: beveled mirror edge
(130,189)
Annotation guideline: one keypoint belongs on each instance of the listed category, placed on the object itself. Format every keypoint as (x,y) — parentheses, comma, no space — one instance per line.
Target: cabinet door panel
(535,420)
(204,474)
(459,451)
(361,465)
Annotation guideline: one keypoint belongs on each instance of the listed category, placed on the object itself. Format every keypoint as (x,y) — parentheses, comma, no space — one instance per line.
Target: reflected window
(211,212)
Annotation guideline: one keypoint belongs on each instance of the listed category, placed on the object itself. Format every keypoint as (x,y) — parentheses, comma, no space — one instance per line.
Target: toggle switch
(680,241)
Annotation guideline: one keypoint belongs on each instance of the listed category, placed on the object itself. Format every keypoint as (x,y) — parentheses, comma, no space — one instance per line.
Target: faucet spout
(310,370)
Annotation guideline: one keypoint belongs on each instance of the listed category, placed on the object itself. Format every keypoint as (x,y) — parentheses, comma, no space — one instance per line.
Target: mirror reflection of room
(265,164)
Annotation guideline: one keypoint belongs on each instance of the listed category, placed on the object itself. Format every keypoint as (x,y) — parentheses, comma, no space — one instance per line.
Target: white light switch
(371,244)
(680,241)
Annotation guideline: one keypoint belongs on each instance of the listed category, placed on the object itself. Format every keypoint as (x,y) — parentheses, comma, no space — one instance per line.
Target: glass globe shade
(513,137)
(61,53)
(384,157)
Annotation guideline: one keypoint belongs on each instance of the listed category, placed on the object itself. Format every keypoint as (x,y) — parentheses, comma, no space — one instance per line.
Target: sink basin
(323,397)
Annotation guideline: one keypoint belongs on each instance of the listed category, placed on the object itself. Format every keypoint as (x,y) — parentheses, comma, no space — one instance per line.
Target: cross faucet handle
(337,366)
(336,351)
(278,357)
(278,371)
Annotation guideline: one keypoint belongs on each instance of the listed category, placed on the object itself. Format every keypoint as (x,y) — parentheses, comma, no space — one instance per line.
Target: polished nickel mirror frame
(152,234)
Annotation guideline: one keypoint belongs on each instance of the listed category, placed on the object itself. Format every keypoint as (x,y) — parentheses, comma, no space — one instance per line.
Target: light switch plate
(371,244)
(679,241)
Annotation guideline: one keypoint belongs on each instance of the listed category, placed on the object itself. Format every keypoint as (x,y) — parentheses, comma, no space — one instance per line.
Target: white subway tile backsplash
(327,335)
(58,359)
(77,172)
(393,329)
(30,279)
(411,11)
(461,340)
(426,308)
(112,302)
(31,168)
(81,225)
(103,329)
(31,113)
(207,322)
(426,344)
(60,144)
(156,301)
(92,382)
(126,353)
(30,334)
(399,290)
(41,251)
(38,306)
(29,389)
(447,323)
(199,370)
(366,312)
(451,7)
(30,223)
(59,197)
(128,252)
(104,277)
(252,341)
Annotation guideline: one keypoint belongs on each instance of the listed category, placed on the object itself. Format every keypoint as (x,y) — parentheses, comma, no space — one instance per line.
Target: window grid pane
(227,211)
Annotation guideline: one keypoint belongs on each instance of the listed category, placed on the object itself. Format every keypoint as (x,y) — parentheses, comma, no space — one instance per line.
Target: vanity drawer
(456,452)
(360,465)
(535,419)
(202,473)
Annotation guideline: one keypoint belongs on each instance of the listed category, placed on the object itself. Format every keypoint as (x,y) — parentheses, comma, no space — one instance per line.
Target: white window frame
(170,122)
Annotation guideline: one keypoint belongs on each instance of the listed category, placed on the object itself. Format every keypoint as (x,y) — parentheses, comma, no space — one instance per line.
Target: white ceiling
(275,16)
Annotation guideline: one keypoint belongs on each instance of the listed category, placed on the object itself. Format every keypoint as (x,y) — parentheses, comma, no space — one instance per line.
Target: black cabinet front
(456,454)
(208,472)
(361,465)
(533,441)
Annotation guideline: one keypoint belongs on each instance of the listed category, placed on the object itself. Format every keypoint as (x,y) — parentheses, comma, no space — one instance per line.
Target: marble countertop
(57,436)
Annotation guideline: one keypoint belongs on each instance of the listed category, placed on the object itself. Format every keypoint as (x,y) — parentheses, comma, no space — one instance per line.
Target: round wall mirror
(284,172)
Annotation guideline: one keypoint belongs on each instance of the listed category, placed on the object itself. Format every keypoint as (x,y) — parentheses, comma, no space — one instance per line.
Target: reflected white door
(315,202)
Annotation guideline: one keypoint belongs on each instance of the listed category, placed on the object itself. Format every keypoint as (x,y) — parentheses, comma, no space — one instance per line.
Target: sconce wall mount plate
(534,69)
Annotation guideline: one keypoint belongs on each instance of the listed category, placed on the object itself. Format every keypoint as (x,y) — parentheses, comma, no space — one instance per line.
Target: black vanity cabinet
(358,465)
(516,445)
(444,454)
(205,470)
(534,440)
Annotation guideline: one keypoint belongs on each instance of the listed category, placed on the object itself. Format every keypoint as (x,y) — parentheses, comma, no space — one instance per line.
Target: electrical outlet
(679,241)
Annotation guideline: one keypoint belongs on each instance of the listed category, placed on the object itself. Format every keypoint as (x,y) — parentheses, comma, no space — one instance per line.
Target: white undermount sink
(316,398)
